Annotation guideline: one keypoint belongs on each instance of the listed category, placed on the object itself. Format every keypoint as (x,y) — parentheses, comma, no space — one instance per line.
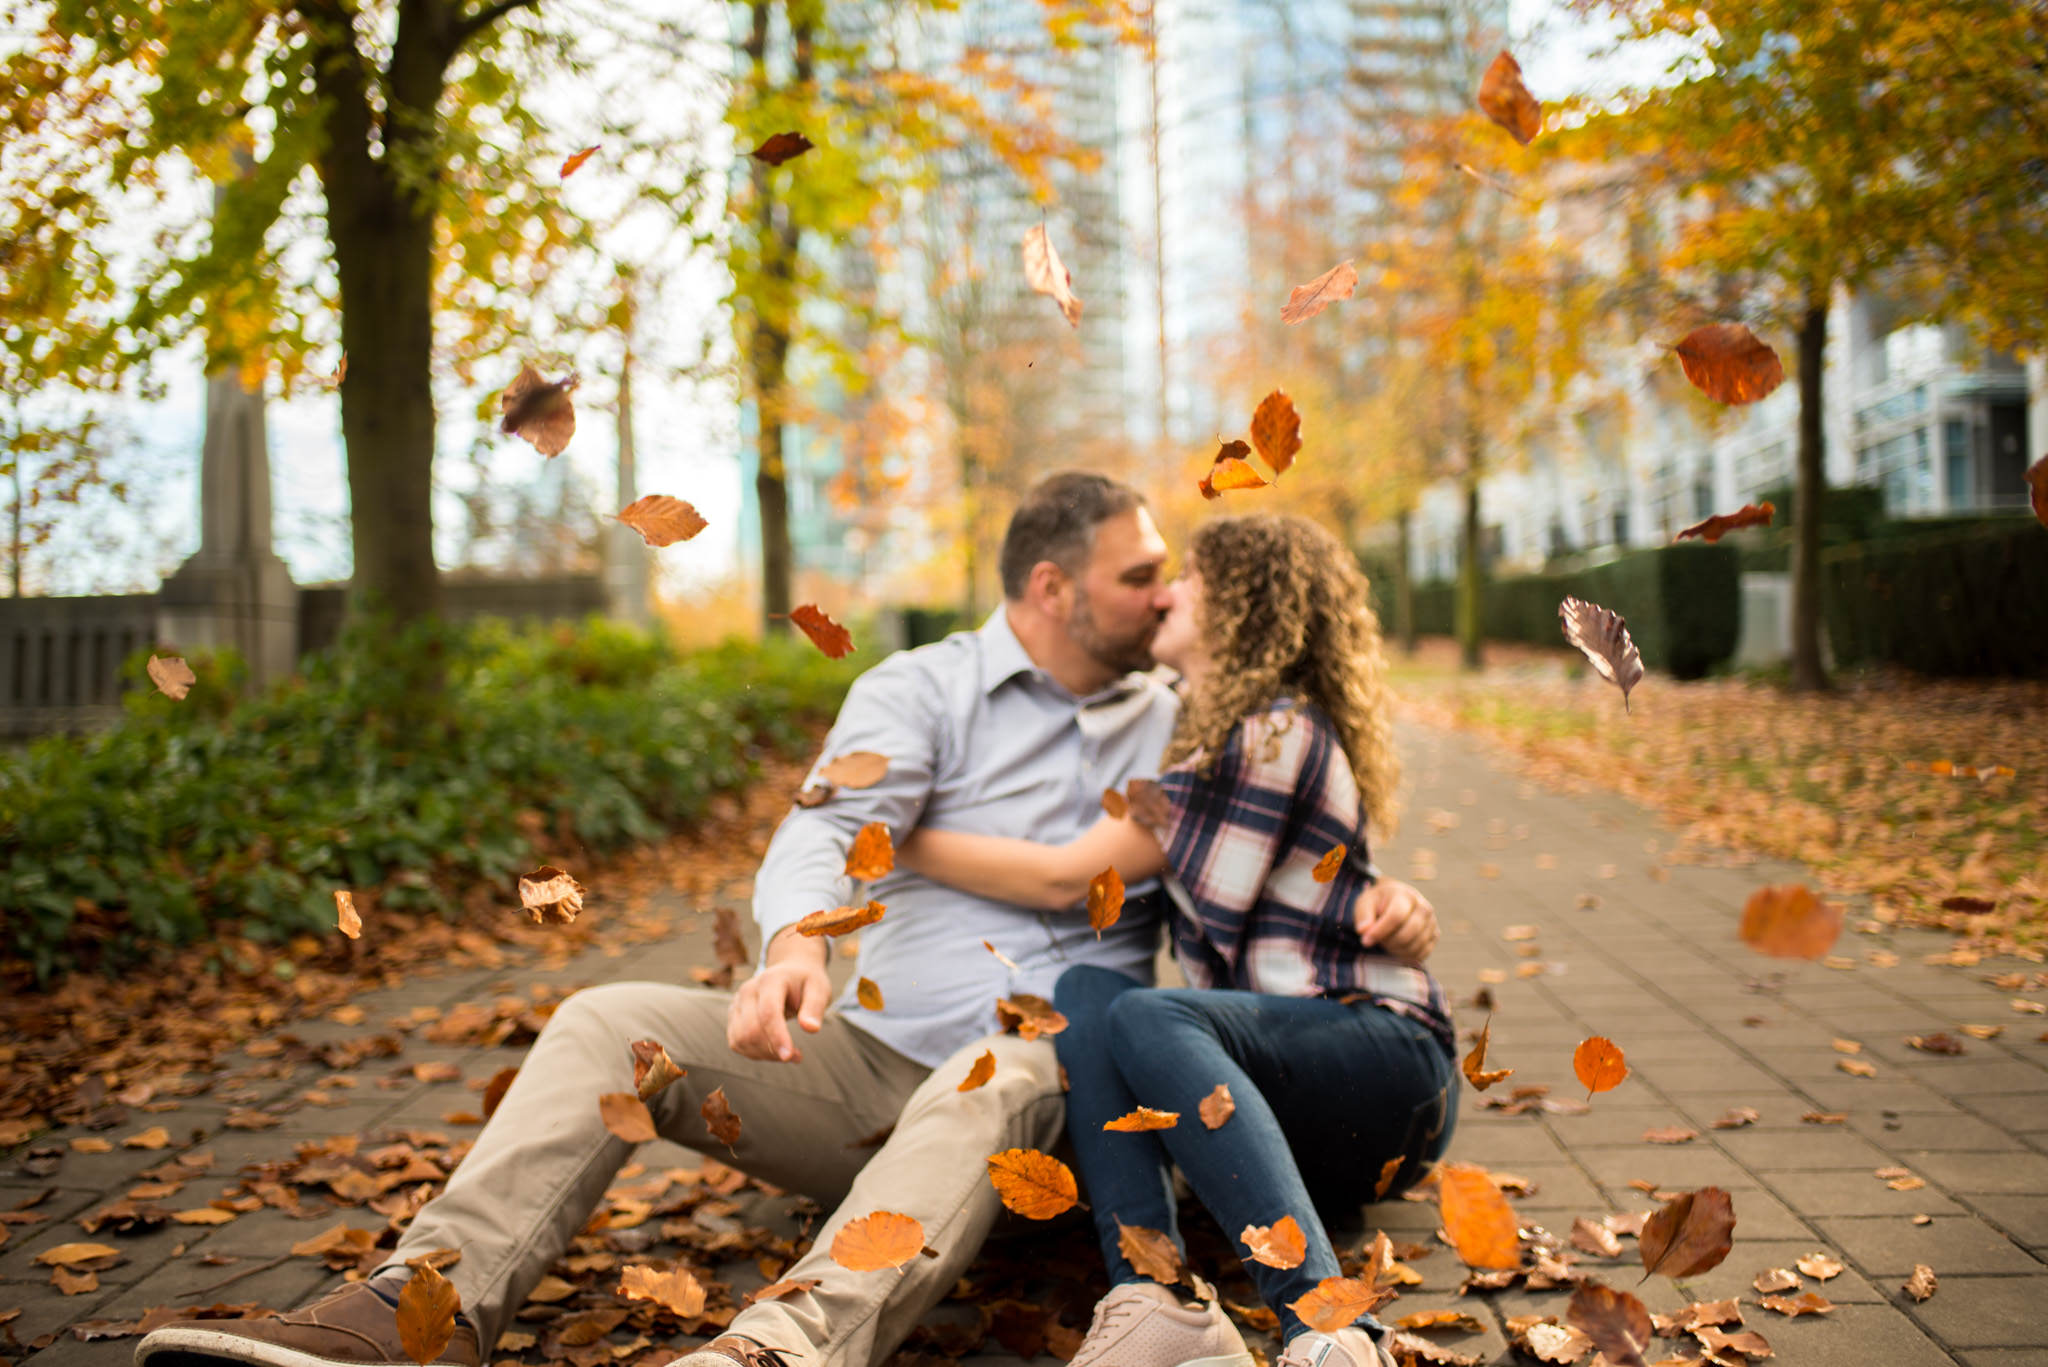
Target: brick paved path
(1654,965)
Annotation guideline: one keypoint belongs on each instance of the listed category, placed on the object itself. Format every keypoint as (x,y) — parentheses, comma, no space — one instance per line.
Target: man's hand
(793,984)
(1397,918)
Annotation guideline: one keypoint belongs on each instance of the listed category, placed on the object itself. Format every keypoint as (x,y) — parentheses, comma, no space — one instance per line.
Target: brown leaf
(1276,431)
(1105,900)
(1045,274)
(575,161)
(426,1315)
(1692,1233)
(1504,99)
(74,1283)
(551,896)
(1820,1266)
(1590,1236)
(1389,1170)
(1964,902)
(1337,1301)
(868,995)
(1749,1343)
(984,1068)
(1615,1321)
(2037,494)
(675,1290)
(856,769)
(827,635)
(1217,1107)
(1332,860)
(1144,1118)
(775,1291)
(1281,1245)
(203,1215)
(1602,637)
(1776,1279)
(1726,361)
(1478,1218)
(780,147)
(172,676)
(883,1239)
(1441,1319)
(1306,301)
(626,1116)
(1149,806)
(1735,1117)
(155,1137)
(1789,922)
(1805,1303)
(873,854)
(1599,1063)
(1230,471)
(1856,1067)
(653,1070)
(1922,1283)
(1720,524)
(1029,1017)
(539,411)
(1543,1338)
(71,1255)
(661,520)
(841,920)
(1033,1184)
(1475,1062)
(1940,1042)
(345,917)
(1824,1118)
(1115,805)
(1150,1253)
(719,1118)
(1670,1134)
(495,1089)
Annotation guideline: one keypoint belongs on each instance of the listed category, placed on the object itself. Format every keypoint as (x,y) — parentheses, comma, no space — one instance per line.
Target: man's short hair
(1057,522)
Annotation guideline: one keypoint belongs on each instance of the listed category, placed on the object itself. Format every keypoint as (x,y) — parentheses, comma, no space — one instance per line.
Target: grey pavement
(1568,911)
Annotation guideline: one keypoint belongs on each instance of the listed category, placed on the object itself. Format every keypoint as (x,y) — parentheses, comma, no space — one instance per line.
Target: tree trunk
(770,363)
(1809,674)
(1471,573)
(1404,582)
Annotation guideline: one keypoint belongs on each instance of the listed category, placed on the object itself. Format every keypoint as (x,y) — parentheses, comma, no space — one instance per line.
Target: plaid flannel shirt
(1243,842)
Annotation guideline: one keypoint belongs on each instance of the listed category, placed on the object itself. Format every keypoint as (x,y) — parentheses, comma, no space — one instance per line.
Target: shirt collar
(1003,658)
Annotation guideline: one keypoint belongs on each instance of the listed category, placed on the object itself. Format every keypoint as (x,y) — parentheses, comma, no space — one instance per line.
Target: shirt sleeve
(1228,828)
(894,711)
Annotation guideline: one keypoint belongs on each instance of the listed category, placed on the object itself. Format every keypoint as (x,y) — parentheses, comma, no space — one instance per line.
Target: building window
(1702,499)
(1621,526)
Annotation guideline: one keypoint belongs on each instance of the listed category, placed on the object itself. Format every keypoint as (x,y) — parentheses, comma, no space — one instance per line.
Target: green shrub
(1965,603)
(256,808)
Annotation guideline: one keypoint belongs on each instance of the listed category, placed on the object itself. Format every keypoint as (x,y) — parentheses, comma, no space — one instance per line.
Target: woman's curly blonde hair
(1284,613)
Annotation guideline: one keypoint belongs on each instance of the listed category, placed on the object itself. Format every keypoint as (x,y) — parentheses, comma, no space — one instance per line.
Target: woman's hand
(1397,918)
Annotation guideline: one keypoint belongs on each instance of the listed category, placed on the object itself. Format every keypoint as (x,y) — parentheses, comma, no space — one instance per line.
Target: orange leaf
(1388,1171)
(1105,900)
(1144,1118)
(1727,361)
(495,1089)
(1276,431)
(539,411)
(856,769)
(172,676)
(626,1116)
(345,914)
(2037,489)
(1691,1234)
(1720,524)
(868,995)
(1599,1063)
(653,1070)
(1280,1245)
(719,1119)
(1475,1062)
(426,1315)
(661,520)
(1114,804)
(1150,1252)
(841,920)
(1217,1107)
(675,1290)
(1033,1184)
(1922,1284)
(1478,1218)
(1506,101)
(1789,922)
(1045,274)
(551,896)
(780,147)
(775,1291)
(1337,1301)
(1029,1016)
(1306,301)
(1332,860)
(984,1068)
(883,1239)
(1805,1303)
(872,855)
(1616,1321)
(1230,472)
(576,160)
(827,635)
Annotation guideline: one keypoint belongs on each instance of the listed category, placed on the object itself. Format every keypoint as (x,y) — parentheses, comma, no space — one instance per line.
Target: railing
(60,658)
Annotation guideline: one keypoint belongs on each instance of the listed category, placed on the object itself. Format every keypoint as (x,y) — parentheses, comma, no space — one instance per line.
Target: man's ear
(1050,590)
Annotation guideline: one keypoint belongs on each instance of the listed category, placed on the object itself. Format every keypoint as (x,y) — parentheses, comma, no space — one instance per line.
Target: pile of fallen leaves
(1912,792)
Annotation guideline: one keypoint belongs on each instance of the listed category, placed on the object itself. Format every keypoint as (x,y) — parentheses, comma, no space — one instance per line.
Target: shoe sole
(1227,1360)
(195,1347)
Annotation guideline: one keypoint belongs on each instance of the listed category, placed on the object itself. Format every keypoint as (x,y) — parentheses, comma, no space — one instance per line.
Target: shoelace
(1106,1315)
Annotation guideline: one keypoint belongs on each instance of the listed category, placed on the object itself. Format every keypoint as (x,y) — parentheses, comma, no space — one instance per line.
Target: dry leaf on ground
(1776,1279)
(1922,1283)
(675,1290)
(1805,1303)
(1821,1266)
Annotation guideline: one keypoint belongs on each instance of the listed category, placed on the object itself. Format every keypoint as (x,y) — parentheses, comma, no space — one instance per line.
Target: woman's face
(1179,641)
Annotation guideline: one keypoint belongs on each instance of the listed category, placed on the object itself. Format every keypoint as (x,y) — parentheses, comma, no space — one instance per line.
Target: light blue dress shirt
(979,739)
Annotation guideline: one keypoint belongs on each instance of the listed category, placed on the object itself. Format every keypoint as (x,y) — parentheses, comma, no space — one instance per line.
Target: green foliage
(256,809)
(1950,603)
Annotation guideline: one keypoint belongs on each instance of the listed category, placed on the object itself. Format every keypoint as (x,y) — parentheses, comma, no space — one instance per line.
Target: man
(1014,729)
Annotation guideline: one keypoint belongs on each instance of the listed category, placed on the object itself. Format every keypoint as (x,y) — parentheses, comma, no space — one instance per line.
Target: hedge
(1970,602)
(225,807)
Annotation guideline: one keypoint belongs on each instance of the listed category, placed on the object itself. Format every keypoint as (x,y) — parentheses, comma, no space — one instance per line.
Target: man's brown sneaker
(354,1327)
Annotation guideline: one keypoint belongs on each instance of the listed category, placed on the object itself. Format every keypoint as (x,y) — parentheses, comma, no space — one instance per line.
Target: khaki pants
(541,1166)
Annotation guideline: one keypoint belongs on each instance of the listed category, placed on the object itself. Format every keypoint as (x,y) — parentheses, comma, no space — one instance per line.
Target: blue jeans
(1326,1093)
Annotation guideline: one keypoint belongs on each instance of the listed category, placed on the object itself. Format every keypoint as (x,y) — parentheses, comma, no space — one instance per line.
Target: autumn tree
(1812,146)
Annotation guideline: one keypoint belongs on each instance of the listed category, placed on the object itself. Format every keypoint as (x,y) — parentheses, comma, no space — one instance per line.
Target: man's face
(1120,595)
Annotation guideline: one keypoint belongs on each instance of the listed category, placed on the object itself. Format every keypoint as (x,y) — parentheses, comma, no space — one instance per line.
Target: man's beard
(1123,655)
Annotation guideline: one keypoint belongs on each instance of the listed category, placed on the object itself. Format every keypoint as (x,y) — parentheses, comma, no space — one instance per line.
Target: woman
(1340,1061)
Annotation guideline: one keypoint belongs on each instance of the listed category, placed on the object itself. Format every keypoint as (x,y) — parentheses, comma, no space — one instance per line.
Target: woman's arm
(1049,877)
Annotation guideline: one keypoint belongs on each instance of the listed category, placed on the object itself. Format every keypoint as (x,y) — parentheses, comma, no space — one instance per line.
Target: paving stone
(2020,1111)
(1956,1133)
(1751,1257)
(1852,1336)
(1888,1245)
(1675,1167)
(183,1282)
(2006,1357)
(1800,1148)
(2018,1173)
(1820,1194)
(2024,1218)
(1982,1312)
(1880,1093)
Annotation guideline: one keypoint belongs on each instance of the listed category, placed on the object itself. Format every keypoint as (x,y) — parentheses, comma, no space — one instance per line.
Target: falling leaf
(1922,1283)
(1276,431)
(1720,524)
(495,1089)
(883,1239)
(1776,1279)
(2037,494)
(172,676)
(1029,1016)
(674,1290)
(856,769)
(873,853)
(841,920)
(775,1291)
(1332,860)
(1388,1171)
(1726,361)
(868,995)
(426,1315)
(626,1116)
(1105,900)
(781,147)
(1602,637)
(719,1119)
(1590,1236)
(1005,960)
(1475,1062)
(1044,273)
(1217,1107)
(575,161)
(1692,1233)
(1940,1042)
(1819,1265)
(1338,1301)
(1281,1245)
(1230,472)
(539,411)
(653,1069)
(1033,1184)
(1504,99)
(1735,1117)
(827,635)
(1806,1303)
(1789,922)
(1149,1252)
(1478,1218)
(1615,1321)
(1306,301)
(1599,1064)
(1115,805)
(551,896)
(345,917)
(1670,1134)
(1144,1118)
(1148,803)
(661,520)
(984,1068)
(340,373)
